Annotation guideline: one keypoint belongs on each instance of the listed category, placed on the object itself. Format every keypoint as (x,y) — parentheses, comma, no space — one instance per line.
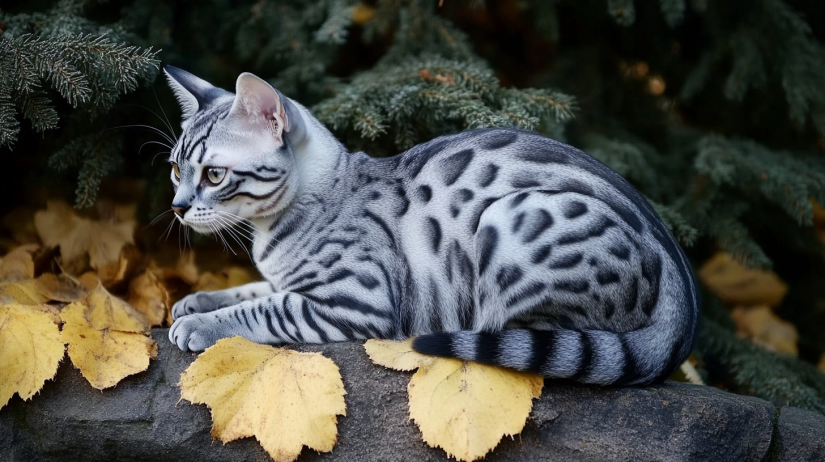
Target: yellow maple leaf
(465,407)
(78,238)
(395,355)
(30,351)
(764,328)
(149,297)
(461,406)
(736,284)
(106,338)
(284,398)
(102,311)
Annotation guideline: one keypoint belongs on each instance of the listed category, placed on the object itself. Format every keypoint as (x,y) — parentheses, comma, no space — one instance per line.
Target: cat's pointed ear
(192,92)
(258,104)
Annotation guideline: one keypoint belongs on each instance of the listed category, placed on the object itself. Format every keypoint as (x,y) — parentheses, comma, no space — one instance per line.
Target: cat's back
(451,180)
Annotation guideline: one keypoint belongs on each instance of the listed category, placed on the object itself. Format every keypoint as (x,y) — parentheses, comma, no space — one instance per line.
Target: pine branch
(750,369)
(81,68)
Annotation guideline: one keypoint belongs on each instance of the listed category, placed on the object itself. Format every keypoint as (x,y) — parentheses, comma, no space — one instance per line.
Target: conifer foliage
(715,111)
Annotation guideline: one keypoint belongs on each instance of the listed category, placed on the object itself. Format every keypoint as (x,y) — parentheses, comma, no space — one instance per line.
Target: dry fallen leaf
(78,238)
(186,268)
(119,270)
(463,407)
(764,328)
(106,339)
(284,398)
(231,276)
(18,264)
(30,351)
(149,297)
(48,287)
(739,285)
(395,355)
(209,281)
(238,276)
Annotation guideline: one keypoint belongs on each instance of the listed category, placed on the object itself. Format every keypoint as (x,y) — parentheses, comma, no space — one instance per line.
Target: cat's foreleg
(281,318)
(205,302)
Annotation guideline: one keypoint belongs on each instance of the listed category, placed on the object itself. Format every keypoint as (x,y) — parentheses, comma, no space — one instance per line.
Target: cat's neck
(318,155)
(321,160)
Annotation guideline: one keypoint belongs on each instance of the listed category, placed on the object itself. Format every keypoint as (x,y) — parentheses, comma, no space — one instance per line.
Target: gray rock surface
(800,436)
(142,420)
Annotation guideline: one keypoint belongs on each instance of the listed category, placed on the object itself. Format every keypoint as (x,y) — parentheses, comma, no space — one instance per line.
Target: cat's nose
(180,210)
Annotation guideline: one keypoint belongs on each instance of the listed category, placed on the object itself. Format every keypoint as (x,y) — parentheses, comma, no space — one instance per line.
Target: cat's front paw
(195,332)
(199,302)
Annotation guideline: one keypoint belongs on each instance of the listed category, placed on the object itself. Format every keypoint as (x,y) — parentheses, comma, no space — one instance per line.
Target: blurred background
(715,110)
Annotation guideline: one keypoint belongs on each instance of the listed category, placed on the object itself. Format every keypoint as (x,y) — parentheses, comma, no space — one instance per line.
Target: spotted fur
(497,245)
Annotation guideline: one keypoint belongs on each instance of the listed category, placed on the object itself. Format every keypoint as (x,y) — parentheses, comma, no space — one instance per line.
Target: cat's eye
(215,174)
(176,169)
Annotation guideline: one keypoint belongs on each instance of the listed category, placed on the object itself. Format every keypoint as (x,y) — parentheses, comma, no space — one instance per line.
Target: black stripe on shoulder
(456,164)
(416,159)
(381,223)
(498,139)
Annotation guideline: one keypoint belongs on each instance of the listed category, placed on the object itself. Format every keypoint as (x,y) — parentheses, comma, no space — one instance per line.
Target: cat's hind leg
(569,264)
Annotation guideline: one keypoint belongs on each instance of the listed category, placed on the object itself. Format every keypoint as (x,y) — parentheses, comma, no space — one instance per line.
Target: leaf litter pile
(82,284)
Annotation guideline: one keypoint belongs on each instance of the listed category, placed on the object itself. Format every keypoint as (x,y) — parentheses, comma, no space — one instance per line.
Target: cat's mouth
(202,226)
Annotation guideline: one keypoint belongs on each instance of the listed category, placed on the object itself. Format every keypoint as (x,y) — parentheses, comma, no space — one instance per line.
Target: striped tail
(637,357)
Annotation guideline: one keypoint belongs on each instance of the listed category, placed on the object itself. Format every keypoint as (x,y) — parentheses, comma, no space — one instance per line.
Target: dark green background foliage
(715,110)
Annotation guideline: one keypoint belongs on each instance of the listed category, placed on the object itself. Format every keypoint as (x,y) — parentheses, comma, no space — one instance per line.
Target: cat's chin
(201,228)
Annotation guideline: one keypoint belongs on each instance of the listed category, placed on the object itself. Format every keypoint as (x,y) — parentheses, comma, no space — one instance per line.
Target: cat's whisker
(153,142)
(165,122)
(251,228)
(156,156)
(168,231)
(232,233)
(219,237)
(157,218)
(148,127)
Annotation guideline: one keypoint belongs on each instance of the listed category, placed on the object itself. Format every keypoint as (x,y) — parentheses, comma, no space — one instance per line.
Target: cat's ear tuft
(191,91)
(260,105)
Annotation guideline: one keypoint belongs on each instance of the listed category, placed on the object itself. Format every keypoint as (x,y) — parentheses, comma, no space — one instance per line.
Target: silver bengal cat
(497,245)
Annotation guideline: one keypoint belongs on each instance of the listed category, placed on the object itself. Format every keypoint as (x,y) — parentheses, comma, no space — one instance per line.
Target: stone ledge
(139,421)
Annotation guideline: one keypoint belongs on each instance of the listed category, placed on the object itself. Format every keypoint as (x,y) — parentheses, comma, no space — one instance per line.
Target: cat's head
(234,159)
